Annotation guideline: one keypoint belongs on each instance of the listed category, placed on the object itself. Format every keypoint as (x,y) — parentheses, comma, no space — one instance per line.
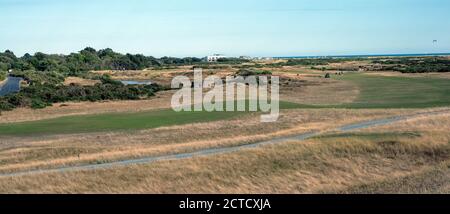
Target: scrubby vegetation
(90,59)
(417,65)
(86,60)
(45,88)
(250,72)
(45,74)
(2,75)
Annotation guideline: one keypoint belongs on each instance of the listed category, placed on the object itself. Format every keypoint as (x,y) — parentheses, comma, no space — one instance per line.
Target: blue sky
(231,27)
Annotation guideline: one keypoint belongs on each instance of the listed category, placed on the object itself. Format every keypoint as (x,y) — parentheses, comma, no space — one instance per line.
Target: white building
(246,57)
(215,57)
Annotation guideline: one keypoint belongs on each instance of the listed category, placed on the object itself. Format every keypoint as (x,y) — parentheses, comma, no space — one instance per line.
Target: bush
(248,72)
(40,95)
(40,77)
(38,104)
(5,105)
(416,65)
(2,75)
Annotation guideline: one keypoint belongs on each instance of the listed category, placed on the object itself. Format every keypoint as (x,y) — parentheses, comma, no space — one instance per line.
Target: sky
(231,27)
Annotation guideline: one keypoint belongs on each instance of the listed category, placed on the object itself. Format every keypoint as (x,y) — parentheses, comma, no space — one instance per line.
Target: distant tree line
(417,64)
(45,74)
(90,59)
(86,60)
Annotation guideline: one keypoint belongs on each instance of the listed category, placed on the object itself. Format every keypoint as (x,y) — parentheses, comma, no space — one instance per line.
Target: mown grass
(375,92)
(110,122)
(380,92)
(118,121)
(398,92)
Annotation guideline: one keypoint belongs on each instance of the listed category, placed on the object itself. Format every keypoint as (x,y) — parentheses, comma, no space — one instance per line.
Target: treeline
(45,74)
(86,60)
(90,59)
(46,88)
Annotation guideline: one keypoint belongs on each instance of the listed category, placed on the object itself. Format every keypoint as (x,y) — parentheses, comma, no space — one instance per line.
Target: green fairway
(398,92)
(111,122)
(375,92)
(117,122)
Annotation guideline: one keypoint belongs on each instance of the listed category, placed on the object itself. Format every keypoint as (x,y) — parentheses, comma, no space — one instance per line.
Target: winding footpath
(216,151)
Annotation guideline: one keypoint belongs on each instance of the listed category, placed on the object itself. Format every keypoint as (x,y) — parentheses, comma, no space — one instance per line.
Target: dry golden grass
(430,180)
(335,164)
(165,76)
(20,153)
(316,91)
(80,81)
(349,65)
(328,164)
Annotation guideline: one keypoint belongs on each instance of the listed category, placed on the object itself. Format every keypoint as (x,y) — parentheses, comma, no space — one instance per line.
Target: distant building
(246,57)
(264,58)
(215,58)
(267,58)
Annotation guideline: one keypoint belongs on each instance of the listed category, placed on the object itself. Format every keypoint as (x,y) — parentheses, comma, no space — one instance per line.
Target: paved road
(207,152)
(12,85)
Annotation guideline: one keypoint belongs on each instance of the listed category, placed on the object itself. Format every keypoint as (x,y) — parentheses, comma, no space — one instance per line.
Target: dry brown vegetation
(312,90)
(326,164)
(20,153)
(165,76)
(412,156)
(80,81)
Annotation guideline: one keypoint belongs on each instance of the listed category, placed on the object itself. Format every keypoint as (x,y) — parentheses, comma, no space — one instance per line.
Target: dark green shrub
(38,104)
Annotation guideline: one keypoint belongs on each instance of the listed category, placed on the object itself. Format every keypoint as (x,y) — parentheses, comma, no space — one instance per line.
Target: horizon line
(261,56)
